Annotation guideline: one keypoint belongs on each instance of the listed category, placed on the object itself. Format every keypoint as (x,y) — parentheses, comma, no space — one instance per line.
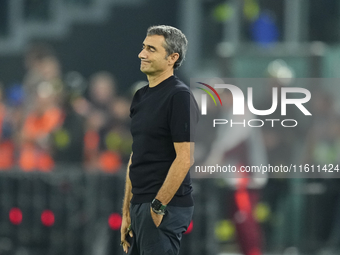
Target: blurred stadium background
(68,70)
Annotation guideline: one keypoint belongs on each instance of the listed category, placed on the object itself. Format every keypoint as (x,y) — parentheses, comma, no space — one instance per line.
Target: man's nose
(142,54)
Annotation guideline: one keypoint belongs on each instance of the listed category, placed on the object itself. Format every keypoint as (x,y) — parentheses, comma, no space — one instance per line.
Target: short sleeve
(183,117)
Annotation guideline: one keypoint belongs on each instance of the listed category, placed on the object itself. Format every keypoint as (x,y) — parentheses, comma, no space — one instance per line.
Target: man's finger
(125,245)
(124,242)
(130,233)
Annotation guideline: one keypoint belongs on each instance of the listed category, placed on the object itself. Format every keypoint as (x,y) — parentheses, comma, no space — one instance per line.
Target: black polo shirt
(160,116)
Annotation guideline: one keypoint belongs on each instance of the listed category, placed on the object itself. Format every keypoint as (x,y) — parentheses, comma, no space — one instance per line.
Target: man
(158,204)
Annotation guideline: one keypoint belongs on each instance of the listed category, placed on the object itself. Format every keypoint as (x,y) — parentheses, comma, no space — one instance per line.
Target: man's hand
(157,218)
(125,230)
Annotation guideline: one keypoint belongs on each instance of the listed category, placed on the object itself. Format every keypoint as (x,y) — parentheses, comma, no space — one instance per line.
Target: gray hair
(175,41)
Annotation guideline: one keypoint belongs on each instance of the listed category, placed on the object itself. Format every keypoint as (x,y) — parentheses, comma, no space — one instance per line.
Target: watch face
(156,204)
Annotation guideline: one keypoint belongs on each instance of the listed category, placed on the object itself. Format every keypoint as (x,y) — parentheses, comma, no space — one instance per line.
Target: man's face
(153,56)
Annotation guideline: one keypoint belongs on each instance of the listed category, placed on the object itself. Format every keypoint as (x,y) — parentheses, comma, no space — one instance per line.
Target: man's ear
(173,58)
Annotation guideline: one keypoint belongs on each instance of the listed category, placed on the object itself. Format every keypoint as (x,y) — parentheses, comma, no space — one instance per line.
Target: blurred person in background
(278,140)
(104,130)
(240,146)
(45,116)
(102,90)
(158,204)
(68,139)
(41,65)
(279,143)
(118,137)
(43,90)
(52,130)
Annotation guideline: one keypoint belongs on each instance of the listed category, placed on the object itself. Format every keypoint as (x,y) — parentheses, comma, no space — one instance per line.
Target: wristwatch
(157,207)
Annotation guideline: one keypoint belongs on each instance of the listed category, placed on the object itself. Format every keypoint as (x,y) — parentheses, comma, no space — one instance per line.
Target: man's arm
(177,172)
(127,193)
(126,221)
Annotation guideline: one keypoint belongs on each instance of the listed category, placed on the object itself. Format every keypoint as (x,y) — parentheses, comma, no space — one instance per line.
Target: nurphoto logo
(239,104)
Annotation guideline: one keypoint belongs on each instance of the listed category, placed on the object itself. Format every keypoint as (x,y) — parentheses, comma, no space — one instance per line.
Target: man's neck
(157,79)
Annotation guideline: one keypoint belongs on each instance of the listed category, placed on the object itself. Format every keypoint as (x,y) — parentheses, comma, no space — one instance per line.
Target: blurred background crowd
(50,119)
(68,72)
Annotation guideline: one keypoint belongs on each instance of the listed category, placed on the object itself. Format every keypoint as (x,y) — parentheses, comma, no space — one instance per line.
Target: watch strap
(158,207)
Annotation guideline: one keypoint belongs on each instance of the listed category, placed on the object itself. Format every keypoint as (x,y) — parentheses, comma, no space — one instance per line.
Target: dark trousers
(150,240)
